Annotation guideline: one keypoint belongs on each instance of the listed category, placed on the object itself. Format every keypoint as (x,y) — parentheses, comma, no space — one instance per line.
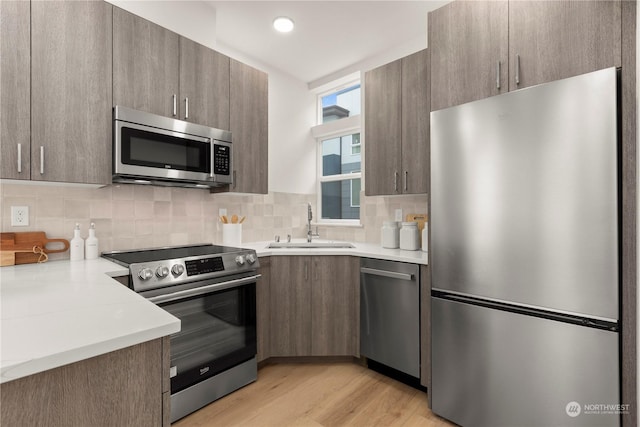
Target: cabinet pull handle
(306,271)
(235,183)
(517,70)
(186,107)
(498,75)
(19,158)
(175,105)
(406,179)
(395,181)
(41,160)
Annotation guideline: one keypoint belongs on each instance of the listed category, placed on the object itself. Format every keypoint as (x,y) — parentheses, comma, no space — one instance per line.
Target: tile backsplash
(135,216)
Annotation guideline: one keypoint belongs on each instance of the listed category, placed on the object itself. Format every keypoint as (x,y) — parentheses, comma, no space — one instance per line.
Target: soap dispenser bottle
(91,244)
(77,245)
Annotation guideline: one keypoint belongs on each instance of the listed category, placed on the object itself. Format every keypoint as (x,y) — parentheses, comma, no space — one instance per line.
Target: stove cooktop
(127,258)
(161,267)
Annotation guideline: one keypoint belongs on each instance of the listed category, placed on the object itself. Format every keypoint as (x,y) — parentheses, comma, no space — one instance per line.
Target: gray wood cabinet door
(71,91)
(204,85)
(290,331)
(383,134)
(250,129)
(552,40)
(415,123)
(146,65)
(335,297)
(263,309)
(15,113)
(468,41)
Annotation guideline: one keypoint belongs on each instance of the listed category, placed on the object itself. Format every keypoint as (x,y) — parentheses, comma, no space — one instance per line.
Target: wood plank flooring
(318,395)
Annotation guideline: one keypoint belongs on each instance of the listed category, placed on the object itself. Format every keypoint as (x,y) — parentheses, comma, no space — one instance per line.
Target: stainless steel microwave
(152,149)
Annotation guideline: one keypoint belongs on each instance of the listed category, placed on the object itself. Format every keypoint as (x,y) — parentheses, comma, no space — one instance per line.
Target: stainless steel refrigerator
(524,257)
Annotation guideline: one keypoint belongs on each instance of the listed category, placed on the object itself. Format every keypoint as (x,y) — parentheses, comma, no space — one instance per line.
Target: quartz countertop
(61,312)
(365,250)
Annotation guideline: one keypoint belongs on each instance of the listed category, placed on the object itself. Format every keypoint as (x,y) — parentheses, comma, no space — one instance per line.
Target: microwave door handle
(212,168)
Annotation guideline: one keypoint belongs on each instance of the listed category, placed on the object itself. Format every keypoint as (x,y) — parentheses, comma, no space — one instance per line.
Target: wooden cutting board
(421,219)
(17,248)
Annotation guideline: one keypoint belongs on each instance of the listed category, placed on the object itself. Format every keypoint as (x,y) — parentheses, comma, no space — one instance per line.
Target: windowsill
(345,223)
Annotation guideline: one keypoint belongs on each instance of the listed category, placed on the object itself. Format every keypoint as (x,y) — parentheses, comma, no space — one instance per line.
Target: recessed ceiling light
(283,24)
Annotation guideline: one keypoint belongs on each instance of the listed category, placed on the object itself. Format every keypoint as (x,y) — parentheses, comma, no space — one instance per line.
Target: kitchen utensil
(234,219)
(242,219)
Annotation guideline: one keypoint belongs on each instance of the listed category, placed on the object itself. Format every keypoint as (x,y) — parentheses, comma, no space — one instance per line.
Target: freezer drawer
(496,368)
(390,314)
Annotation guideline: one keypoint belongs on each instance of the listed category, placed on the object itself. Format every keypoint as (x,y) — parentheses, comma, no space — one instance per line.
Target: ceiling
(329,36)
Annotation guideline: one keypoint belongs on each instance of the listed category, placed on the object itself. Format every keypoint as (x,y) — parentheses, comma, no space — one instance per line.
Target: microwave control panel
(221,159)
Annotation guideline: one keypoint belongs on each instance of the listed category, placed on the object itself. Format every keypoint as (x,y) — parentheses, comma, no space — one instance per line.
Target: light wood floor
(315,395)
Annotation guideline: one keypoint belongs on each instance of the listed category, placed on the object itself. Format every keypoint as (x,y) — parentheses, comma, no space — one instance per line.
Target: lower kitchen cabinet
(263,309)
(314,306)
(121,388)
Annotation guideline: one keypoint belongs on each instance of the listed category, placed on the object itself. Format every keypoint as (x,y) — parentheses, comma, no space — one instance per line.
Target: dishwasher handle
(386,273)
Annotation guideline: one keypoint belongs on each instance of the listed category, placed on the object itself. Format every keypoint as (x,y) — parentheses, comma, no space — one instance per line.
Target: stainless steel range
(212,290)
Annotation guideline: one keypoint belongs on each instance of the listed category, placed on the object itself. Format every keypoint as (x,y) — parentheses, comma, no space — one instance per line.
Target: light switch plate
(19,216)
(222,212)
(398,215)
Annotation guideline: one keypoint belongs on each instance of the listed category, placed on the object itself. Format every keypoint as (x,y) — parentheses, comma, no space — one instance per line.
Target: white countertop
(62,312)
(366,250)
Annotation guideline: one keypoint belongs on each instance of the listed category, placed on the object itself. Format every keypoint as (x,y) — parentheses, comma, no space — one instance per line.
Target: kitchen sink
(309,245)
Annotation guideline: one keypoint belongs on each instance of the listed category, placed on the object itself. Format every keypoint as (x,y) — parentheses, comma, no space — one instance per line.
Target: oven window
(218,331)
(144,148)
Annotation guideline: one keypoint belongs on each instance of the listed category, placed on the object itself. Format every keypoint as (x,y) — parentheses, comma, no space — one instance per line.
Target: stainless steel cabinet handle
(175,105)
(385,273)
(186,107)
(406,179)
(517,70)
(41,160)
(395,181)
(498,75)
(235,182)
(306,271)
(203,290)
(19,158)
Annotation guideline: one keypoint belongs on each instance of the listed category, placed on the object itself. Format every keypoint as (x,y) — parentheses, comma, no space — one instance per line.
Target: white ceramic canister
(425,237)
(390,235)
(409,236)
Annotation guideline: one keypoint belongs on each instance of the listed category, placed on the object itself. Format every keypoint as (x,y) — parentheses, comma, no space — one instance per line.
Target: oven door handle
(203,290)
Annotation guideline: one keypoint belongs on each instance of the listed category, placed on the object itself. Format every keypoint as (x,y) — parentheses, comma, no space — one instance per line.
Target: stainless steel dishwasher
(390,314)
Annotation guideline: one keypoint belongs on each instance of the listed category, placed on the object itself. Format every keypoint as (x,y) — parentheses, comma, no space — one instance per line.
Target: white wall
(292,108)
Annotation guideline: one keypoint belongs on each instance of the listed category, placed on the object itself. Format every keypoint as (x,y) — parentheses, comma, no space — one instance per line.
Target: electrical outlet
(19,216)
(399,215)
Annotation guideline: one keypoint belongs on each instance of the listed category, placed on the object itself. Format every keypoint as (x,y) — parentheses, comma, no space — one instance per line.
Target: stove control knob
(240,260)
(177,269)
(251,258)
(145,274)
(162,272)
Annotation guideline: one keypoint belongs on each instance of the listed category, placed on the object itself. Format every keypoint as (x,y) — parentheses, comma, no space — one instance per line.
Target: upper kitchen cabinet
(71,94)
(484,48)
(553,40)
(468,41)
(15,114)
(382,129)
(204,85)
(397,126)
(146,65)
(249,128)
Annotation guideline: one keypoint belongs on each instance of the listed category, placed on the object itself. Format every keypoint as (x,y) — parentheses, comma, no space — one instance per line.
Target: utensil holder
(231,234)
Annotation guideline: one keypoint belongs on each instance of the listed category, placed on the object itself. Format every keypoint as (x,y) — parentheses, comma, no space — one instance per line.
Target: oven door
(218,328)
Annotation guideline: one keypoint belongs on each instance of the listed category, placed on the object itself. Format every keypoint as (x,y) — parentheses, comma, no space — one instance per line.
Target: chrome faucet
(310,234)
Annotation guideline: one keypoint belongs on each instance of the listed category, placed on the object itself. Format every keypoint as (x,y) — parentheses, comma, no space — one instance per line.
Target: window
(340,103)
(340,178)
(339,152)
